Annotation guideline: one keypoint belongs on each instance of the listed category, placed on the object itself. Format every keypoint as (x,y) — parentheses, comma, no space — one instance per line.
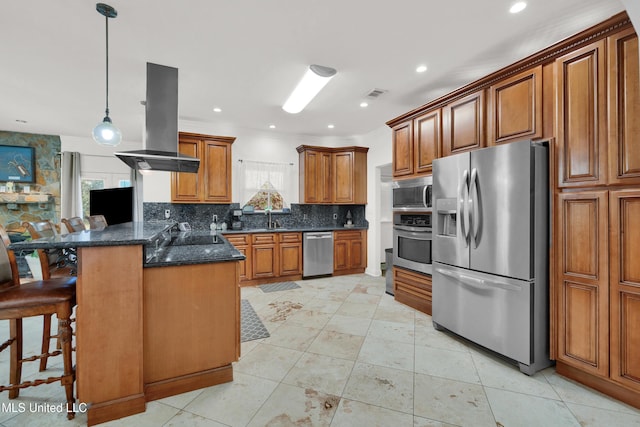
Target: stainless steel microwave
(413,194)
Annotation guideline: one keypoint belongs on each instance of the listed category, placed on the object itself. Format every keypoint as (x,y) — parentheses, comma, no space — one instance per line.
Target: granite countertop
(293,229)
(187,248)
(130,233)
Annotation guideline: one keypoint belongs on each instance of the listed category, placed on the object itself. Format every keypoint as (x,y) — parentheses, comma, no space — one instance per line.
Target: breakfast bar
(158,314)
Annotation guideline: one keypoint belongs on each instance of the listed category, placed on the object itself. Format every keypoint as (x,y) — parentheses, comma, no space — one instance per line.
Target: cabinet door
(290,259)
(581,100)
(402,145)
(463,124)
(625,287)
(515,108)
(340,255)
(316,177)
(242,242)
(263,261)
(344,185)
(217,171)
(186,186)
(356,257)
(624,108)
(583,281)
(427,140)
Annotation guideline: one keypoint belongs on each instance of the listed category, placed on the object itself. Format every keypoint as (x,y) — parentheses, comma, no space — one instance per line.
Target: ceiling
(245,57)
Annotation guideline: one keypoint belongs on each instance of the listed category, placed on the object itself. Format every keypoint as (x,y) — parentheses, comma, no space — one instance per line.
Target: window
(99,181)
(266,185)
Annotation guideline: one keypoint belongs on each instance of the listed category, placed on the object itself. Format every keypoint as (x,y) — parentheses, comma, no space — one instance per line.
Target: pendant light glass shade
(105,132)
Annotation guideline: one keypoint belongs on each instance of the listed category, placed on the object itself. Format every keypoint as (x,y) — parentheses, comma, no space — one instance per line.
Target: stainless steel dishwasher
(317,253)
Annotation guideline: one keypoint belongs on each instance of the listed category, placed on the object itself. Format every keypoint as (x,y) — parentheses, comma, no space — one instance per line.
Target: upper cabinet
(464,124)
(416,143)
(581,122)
(212,182)
(333,175)
(624,108)
(515,108)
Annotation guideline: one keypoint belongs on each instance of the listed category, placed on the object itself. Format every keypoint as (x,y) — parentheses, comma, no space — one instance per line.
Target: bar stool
(54,263)
(74,224)
(42,297)
(97,222)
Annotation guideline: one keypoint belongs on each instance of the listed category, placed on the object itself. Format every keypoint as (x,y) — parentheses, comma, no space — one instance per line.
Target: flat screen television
(116,204)
(17,163)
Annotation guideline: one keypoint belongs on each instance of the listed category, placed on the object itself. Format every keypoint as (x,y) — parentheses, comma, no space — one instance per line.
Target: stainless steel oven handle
(424,196)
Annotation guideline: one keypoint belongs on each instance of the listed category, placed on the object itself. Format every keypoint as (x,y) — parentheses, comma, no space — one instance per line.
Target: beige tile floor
(343,353)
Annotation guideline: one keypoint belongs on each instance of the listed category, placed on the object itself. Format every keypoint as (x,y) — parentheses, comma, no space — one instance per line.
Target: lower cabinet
(270,257)
(349,252)
(412,289)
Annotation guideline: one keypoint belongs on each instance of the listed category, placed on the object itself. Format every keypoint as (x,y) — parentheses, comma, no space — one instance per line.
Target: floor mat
(280,286)
(251,327)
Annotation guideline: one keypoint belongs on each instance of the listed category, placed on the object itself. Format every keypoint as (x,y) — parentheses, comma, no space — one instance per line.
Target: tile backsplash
(201,215)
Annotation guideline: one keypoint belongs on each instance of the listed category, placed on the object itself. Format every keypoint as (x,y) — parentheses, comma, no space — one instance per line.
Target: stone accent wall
(47,149)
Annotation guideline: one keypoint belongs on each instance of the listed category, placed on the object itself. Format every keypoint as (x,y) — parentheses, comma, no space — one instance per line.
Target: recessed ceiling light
(421,69)
(518,7)
(272,126)
(217,110)
(330,126)
(364,104)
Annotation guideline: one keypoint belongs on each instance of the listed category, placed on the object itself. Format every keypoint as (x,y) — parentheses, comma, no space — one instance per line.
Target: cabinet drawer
(290,237)
(263,238)
(238,239)
(412,289)
(347,235)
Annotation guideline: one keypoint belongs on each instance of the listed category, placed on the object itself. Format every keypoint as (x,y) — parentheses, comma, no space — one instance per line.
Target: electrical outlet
(167,213)
(335,216)
(304,217)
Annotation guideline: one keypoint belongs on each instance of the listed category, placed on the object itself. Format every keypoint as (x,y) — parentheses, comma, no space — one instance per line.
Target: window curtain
(71,189)
(253,175)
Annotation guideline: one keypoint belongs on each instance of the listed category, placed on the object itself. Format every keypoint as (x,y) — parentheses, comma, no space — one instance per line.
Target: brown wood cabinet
(464,124)
(624,108)
(242,242)
(412,289)
(583,281)
(270,257)
(333,175)
(624,264)
(416,143)
(212,182)
(582,106)
(349,251)
(515,108)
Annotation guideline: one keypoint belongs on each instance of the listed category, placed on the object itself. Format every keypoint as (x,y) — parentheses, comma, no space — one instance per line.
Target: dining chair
(97,222)
(74,224)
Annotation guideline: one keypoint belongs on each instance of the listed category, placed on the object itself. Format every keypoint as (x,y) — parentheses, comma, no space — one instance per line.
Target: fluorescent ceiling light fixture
(364,104)
(421,69)
(312,82)
(330,126)
(217,110)
(518,7)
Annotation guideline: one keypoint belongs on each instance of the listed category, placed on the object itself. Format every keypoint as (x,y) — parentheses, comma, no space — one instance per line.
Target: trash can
(388,256)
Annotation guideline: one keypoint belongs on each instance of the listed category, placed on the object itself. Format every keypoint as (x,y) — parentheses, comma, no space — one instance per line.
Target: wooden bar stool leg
(46,340)
(15,365)
(64,329)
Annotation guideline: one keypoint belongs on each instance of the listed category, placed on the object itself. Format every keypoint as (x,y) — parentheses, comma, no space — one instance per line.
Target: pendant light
(105,132)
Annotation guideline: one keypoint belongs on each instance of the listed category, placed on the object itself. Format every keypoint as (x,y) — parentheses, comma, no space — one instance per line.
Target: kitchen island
(152,320)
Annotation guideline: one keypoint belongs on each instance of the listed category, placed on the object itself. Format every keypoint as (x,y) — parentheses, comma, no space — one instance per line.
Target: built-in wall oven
(413,195)
(412,241)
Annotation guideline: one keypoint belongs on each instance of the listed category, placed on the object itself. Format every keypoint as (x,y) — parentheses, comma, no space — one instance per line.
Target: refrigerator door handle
(475,207)
(463,195)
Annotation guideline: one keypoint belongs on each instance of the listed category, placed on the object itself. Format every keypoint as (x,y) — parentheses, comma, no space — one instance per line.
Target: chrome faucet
(269,223)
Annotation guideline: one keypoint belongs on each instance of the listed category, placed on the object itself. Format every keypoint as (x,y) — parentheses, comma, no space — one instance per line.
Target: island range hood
(161,118)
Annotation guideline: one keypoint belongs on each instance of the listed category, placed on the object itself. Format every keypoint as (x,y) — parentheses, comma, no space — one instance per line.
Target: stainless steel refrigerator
(490,250)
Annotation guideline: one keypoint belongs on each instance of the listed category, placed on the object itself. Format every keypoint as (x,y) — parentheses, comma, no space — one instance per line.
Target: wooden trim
(303,148)
(185,383)
(199,136)
(597,32)
(606,386)
(114,409)
(265,281)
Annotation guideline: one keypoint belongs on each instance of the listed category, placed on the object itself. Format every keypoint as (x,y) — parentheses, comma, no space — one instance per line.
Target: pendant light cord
(107,63)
